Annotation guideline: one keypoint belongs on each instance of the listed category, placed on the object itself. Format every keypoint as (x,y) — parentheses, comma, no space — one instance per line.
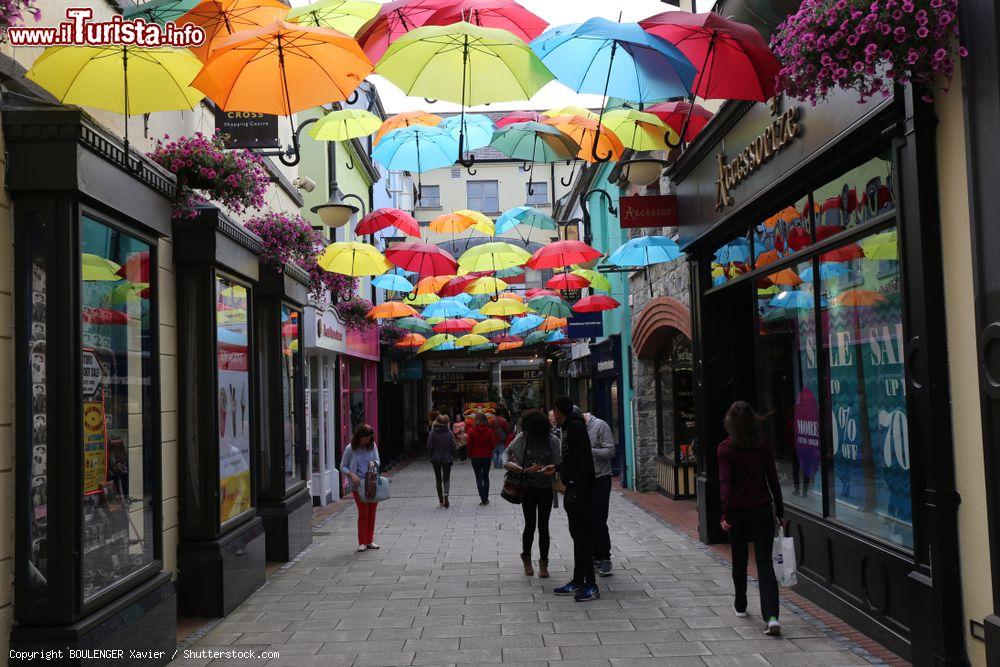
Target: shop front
(323,337)
(358,384)
(607,391)
(812,235)
(522,388)
(451,390)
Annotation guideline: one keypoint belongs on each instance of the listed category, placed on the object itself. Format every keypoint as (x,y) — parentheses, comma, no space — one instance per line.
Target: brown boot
(528,570)
(543,569)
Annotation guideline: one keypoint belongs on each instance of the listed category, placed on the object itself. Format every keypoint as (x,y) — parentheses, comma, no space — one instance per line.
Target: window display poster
(233,406)
(95,447)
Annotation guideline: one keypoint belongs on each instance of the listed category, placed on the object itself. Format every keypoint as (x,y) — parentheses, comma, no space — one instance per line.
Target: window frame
(482,183)
(420,197)
(543,201)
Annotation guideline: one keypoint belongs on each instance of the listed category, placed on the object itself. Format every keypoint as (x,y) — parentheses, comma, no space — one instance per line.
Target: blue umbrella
(475,315)
(392,282)
(511,272)
(617,59)
(417,148)
(555,336)
(482,348)
(644,251)
(464,298)
(478,129)
(445,346)
(795,300)
(522,325)
(446,308)
(827,270)
(400,271)
(523,215)
(737,250)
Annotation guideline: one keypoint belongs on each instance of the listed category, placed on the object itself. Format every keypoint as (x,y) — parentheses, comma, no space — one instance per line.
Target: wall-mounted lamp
(336,212)
(643,169)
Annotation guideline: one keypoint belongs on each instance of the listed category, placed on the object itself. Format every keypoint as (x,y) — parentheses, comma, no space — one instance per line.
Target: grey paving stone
(610,651)
(453,657)
(674,649)
(461,631)
(572,639)
(515,655)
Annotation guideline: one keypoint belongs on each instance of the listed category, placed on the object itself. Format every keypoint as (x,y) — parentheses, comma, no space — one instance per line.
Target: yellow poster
(95,447)
(235,495)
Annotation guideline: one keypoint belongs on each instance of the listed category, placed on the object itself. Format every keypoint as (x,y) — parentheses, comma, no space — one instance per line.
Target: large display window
(291,372)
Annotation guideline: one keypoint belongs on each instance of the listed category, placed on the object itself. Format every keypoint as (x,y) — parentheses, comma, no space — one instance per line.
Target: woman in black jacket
(441,445)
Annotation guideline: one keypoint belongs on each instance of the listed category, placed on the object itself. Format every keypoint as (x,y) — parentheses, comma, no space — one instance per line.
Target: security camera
(304,183)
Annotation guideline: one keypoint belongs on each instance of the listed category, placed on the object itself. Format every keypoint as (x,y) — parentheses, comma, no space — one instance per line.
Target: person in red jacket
(482,440)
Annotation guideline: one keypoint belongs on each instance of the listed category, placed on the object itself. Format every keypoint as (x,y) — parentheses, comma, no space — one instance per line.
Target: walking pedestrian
(461,437)
(482,440)
(501,426)
(355,462)
(602,449)
(577,473)
(751,507)
(441,445)
(534,452)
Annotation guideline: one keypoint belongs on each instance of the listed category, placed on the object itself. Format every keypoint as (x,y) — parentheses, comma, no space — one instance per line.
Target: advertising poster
(234,408)
(95,447)
(845,417)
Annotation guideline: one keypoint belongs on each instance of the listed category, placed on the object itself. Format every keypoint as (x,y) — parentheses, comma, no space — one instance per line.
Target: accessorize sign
(650,211)
(246,129)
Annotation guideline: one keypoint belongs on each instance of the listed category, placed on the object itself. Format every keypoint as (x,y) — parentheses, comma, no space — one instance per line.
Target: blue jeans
(498,456)
(481,466)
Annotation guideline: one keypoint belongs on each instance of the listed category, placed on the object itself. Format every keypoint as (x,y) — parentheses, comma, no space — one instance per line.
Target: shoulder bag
(513,488)
(376,487)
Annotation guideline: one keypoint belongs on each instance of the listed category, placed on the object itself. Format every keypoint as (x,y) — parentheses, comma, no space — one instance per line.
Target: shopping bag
(783,555)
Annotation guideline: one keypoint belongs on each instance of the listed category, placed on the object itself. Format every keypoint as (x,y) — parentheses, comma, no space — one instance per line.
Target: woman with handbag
(748,484)
(531,461)
(358,460)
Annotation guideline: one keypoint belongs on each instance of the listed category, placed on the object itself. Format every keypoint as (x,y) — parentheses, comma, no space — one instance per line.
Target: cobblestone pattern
(446,588)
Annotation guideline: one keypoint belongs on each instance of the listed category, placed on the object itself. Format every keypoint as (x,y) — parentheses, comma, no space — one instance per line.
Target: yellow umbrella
(639,130)
(451,223)
(468,340)
(597,279)
(482,222)
(489,326)
(344,125)
(571,111)
(423,299)
(493,256)
(94,267)
(882,246)
(435,320)
(435,341)
(351,258)
(233,316)
(486,285)
(347,16)
(391,309)
(504,308)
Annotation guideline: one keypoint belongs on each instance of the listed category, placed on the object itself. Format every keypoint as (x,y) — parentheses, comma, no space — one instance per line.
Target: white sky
(556,12)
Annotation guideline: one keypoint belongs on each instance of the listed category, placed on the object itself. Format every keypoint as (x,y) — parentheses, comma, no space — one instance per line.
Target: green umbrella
(536,337)
(534,142)
(414,324)
(159,11)
(344,125)
(347,16)
(466,64)
(596,278)
(550,306)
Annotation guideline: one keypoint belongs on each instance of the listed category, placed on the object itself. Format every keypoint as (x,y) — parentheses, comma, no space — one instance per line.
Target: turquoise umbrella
(159,11)
(827,270)
(555,336)
(417,148)
(550,306)
(536,337)
(644,251)
(414,324)
(527,216)
(392,282)
(511,272)
(478,129)
(482,348)
(446,308)
(521,325)
(534,142)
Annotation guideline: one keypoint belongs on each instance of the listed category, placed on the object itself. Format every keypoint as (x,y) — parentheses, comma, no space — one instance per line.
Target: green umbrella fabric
(344,125)
(550,306)
(534,142)
(159,11)
(463,63)
(414,324)
(347,16)
(536,337)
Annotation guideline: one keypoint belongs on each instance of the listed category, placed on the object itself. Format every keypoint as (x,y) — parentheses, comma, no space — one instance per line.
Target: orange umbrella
(767,257)
(552,323)
(391,309)
(583,131)
(222,18)
(513,345)
(283,68)
(787,214)
(411,340)
(858,298)
(785,277)
(406,119)
(510,295)
(451,223)
(431,284)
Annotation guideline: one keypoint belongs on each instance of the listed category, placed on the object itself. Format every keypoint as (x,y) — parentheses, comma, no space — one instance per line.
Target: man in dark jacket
(577,473)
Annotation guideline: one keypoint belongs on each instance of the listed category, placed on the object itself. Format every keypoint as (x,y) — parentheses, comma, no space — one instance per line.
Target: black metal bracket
(291,155)
(587,237)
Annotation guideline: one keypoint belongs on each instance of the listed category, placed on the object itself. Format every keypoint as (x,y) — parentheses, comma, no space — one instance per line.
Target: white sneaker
(739,614)
(773,627)
(362,547)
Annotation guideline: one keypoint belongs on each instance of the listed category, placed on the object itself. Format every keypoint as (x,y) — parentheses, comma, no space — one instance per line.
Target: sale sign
(650,211)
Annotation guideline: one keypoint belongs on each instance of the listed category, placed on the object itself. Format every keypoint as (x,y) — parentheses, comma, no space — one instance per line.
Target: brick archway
(653,325)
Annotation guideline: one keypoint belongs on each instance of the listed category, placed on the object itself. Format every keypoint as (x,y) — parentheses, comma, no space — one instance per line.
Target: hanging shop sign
(245,129)
(324,330)
(473,376)
(522,376)
(586,325)
(606,360)
(651,211)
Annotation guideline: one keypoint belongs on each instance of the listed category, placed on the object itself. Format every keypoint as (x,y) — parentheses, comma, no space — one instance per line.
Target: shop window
(788,382)
(783,233)
(863,332)
(731,260)
(119,469)
(675,402)
(290,374)
(855,197)
(316,371)
(233,348)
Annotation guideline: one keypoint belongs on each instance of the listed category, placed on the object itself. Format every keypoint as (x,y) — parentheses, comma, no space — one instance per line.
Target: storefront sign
(91,372)
(586,325)
(606,359)
(522,376)
(774,139)
(649,211)
(323,329)
(477,376)
(245,129)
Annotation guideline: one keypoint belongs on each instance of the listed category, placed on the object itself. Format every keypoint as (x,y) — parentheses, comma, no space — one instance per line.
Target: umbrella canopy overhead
(493,256)
(347,16)
(344,125)
(638,130)
(486,285)
(858,298)
(570,111)
(673,114)
(451,223)
(96,268)
(455,325)
(351,258)
(534,142)
(406,119)
(478,129)
(593,139)
(527,216)
(446,308)
(392,283)
(432,284)
(644,251)
(416,148)
(504,14)
(391,309)
(520,117)
(424,299)
(489,326)
(567,281)
(504,308)
(436,341)
(562,253)
(551,323)
(393,20)
(411,340)
(597,279)
(595,303)
(159,11)
(827,271)
(470,340)
(384,218)
(220,19)
(414,324)
(550,306)
(522,325)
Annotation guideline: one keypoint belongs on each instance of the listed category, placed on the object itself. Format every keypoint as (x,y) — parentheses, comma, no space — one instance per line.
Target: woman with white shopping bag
(358,459)
(751,507)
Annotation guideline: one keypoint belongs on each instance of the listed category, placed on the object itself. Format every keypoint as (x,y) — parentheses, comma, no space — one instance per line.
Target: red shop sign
(651,211)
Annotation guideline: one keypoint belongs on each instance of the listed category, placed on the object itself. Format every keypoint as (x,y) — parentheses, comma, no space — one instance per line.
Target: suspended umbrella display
(882,247)
(393,20)
(351,258)
(417,148)
(220,19)
(827,271)
(446,308)
(96,268)
(733,59)
(520,117)
(347,16)
(535,337)
(794,300)
(522,325)
(767,257)
(391,309)
(470,340)
(431,321)
(125,293)
(406,119)
(562,253)
(455,325)
(504,308)
(585,132)
(550,306)
(411,340)
(506,338)
(414,324)
(476,316)
(511,295)
(456,286)
(675,114)
(736,251)
(385,218)
(486,285)
(555,336)
(477,128)
(344,125)
(638,130)
(534,142)
(123,79)
(431,284)
(644,251)
(425,299)
(565,282)
(527,216)
(617,60)
(489,326)
(493,256)
(422,258)
(439,61)
(510,345)
(597,279)
(595,303)
(784,277)
(103,316)
(485,347)
(571,111)
(436,341)
(159,11)
(551,323)
(463,298)
(512,272)
(504,14)
(858,298)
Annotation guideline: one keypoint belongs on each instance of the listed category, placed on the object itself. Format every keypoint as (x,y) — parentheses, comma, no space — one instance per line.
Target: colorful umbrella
(520,117)
(540,291)
(644,251)
(521,325)
(510,345)
(351,258)
(638,130)
(347,16)
(103,316)
(736,251)
(486,285)
(560,254)
(550,306)
(344,125)
(555,336)
(391,309)
(551,323)
(431,284)
(534,142)
(414,324)
(481,222)
(527,216)
(511,295)
(489,326)
(570,111)
(159,11)
(446,308)
(882,247)
(858,298)
(455,325)
(220,19)
(536,337)
(411,340)
(494,256)
(512,272)
(674,114)
(469,340)
(96,268)
(595,303)
(136,267)
(383,218)
(567,281)
(504,308)
(593,139)
(481,348)
(417,148)
(503,14)
(456,286)
(422,258)
(436,341)
(827,271)
(393,20)
(406,119)
(784,277)
(767,257)
(451,223)
(597,280)
(478,129)
(422,299)
(793,299)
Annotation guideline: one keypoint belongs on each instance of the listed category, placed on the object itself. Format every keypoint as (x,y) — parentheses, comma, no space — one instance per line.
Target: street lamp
(336,212)
(643,169)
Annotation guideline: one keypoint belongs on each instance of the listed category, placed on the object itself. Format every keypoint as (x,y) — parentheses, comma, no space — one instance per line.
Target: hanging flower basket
(12,12)
(236,179)
(354,313)
(284,238)
(323,284)
(867,46)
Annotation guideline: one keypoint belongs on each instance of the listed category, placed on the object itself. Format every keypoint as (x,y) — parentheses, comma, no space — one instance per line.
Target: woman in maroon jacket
(482,440)
(748,485)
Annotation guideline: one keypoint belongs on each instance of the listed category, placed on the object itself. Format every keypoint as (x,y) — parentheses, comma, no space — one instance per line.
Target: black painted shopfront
(812,234)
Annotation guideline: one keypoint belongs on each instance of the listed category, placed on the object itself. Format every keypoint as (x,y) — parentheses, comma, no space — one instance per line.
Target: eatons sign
(776,137)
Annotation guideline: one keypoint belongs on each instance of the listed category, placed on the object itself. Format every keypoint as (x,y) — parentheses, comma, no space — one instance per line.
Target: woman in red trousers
(482,440)
(354,464)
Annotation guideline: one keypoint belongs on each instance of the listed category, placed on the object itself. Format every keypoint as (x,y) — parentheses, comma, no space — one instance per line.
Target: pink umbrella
(381,218)
(520,117)
(505,14)
(674,114)
(422,258)
(104,316)
(595,304)
(567,281)
(393,20)
(560,254)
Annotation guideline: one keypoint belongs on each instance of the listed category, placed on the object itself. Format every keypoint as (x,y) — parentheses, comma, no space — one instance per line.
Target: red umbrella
(460,325)
(382,218)
(423,258)
(539,291)
(505,14)
(393,20)
(560,254)
(520,117)
(843,254)
(136,267)
(674,113)
(595,304)
(457,285)
(567,281)
(104,316)
(506,338)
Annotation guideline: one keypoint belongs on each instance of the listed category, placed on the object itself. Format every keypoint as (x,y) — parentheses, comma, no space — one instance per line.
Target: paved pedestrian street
(447,587)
